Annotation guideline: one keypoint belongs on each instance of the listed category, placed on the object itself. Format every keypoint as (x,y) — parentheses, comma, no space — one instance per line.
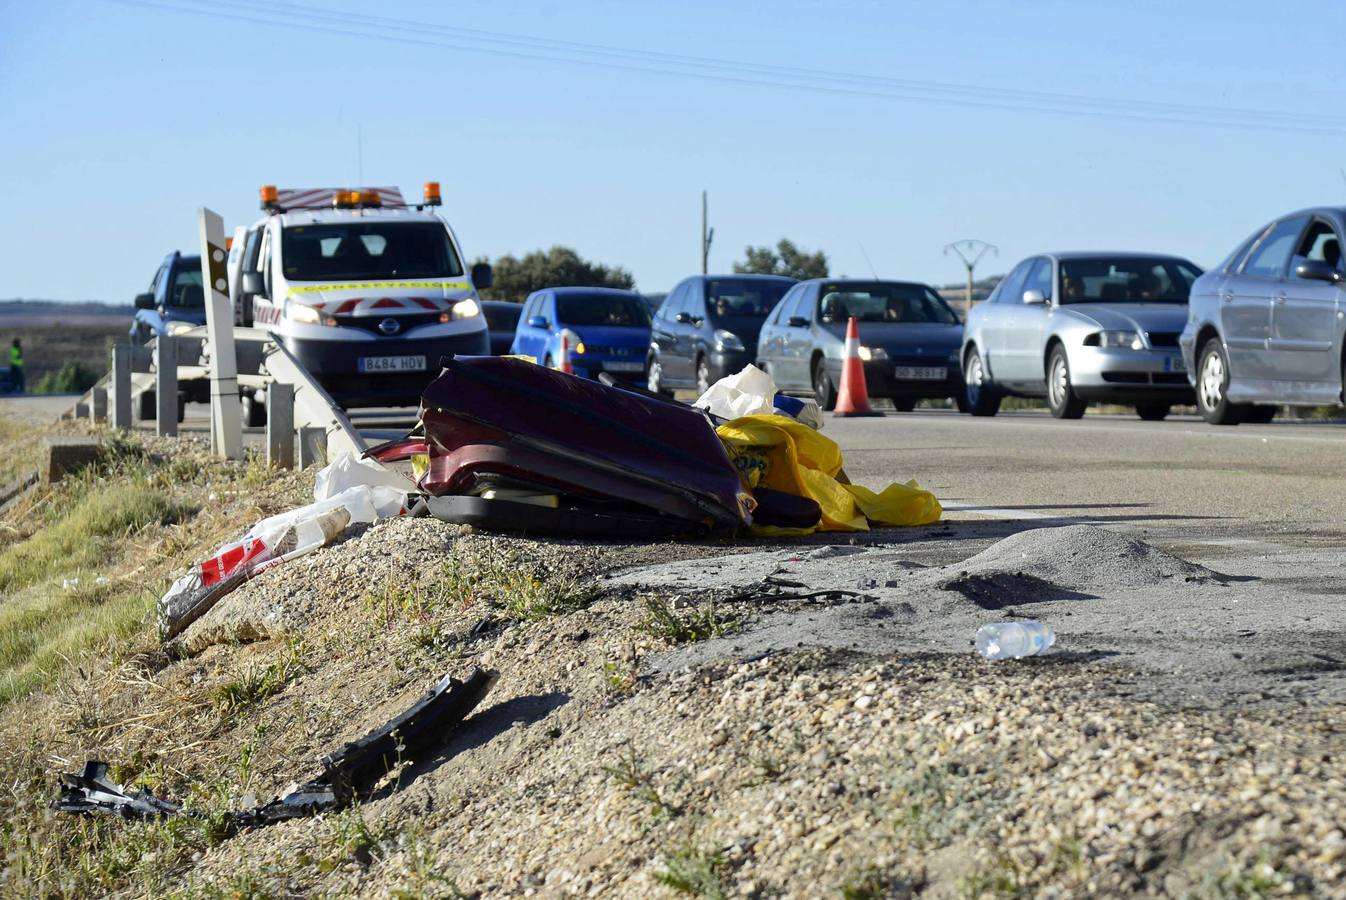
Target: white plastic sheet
(748,392)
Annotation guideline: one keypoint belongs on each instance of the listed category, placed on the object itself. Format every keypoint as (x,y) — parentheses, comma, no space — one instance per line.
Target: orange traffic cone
(563,355)
(853,396)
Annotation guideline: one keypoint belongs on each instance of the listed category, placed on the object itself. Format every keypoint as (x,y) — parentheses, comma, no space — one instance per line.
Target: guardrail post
(312,446)
(226,414)
(121,386)
(98,405)
(166,386)
(280,425)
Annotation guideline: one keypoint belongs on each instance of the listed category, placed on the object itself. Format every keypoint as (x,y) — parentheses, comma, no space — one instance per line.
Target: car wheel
(1061,399)
(904,405)
(823,389)
(702,375)
(1212,386)
(254,411)
(1259,415)
(1153,412)
(654,378)
(979,398)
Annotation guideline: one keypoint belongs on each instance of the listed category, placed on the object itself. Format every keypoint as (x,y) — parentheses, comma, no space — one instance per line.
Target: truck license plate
(921,373)
(392,364)
(624,366)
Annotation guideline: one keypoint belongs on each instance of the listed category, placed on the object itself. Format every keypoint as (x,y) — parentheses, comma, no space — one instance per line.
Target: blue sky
(118,119)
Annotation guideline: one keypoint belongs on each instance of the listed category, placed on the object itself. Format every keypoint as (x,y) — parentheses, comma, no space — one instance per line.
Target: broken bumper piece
(514,446)
(348,772)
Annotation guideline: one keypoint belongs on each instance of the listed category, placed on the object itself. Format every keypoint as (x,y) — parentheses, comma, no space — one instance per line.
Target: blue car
(175,301)
(608,330)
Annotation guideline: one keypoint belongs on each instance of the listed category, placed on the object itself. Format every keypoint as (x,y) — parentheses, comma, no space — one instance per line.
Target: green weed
(697,872)
(662,622)
(256,683)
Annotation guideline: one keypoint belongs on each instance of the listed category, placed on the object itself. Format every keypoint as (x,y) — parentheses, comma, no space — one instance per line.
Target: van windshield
(600,309)
(748,297)
(365,250)
(185,292)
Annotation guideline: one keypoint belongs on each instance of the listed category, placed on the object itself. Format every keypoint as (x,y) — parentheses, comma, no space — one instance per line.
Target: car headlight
(1127,340)
(727,340)
(466,309)
(306,315)
(175,328)
(868,353)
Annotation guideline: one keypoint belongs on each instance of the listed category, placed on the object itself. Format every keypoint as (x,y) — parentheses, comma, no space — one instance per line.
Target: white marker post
(226,425)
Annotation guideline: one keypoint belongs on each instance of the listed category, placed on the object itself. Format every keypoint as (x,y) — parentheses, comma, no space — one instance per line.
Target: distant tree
(72,378)
(516,278)
(786,259)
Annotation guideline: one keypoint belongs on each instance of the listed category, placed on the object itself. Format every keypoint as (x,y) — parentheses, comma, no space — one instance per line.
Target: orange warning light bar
(432,193)
(270,196)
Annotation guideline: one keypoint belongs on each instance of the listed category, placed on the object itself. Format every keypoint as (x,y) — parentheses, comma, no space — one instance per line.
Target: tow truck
(366,290)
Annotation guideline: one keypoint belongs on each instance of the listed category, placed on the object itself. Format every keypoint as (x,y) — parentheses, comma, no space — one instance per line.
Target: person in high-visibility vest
(16,366)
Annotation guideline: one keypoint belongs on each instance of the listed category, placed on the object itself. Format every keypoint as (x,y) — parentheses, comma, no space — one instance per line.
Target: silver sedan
(1081,327)
(1266,325)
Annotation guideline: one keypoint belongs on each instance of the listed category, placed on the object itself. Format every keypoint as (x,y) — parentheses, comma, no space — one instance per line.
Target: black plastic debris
(348,772)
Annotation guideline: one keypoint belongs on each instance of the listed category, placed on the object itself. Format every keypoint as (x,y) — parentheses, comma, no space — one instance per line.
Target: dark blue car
(608,330)
(175,301)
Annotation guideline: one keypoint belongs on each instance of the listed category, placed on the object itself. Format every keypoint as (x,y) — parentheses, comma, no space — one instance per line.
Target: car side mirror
(253,284)
(684,318)
(1317,270)
(144,301)
(797,322)
(1034,298)
(482,276)
(537,321)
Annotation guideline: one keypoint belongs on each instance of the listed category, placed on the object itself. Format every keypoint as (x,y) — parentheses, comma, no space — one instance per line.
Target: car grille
(1163,338)
(371,323)
(1145,378)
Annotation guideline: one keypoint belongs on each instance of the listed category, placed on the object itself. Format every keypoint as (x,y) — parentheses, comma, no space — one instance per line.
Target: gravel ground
(835,747)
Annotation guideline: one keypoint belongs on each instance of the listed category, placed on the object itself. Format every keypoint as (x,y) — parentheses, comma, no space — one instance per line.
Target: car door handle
(1280,299)
(1227,298)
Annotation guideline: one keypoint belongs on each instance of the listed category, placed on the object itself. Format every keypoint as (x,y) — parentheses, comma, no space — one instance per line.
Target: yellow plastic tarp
(780,453)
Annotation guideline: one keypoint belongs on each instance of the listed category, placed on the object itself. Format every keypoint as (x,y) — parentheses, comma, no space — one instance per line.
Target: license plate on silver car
(392,364)
(921,373)
(624,366)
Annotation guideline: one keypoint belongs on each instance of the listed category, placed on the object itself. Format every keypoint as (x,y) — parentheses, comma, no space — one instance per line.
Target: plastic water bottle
(1012,640)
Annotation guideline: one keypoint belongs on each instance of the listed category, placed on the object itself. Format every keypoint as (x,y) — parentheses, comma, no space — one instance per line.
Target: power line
(303,18)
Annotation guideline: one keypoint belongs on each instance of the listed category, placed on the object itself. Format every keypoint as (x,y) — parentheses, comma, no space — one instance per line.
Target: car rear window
(502,318)
(600,309)
(884,303)
(744,297)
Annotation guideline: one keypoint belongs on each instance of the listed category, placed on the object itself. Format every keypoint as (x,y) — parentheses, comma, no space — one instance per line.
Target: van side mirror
(797,322)
(144,301)
(253,284)
(1034,298)
(482,276)
(537,321)
(1317,270)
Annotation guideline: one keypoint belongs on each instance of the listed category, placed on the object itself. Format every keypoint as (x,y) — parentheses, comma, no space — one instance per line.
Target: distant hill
(25,313)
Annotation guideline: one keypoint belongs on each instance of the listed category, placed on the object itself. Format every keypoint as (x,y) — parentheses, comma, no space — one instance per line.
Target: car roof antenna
(868,260)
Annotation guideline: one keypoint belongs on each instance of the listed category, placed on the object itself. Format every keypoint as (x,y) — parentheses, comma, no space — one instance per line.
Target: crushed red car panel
(491,421)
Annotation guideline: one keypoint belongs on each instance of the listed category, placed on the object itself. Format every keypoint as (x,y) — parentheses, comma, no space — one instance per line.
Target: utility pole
(707,234)
(970,251)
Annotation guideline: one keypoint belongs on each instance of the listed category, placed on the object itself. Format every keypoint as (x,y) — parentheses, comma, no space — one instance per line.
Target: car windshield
(185,291)
(1126,280)
(599,309)
(912,303)
(368,250)
(744,297)
(502,318)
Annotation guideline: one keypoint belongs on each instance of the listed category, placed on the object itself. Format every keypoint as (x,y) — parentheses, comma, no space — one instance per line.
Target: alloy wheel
(1212,380)
(654,380)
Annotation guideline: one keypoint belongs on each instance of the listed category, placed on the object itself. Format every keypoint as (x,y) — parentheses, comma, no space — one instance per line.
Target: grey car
(1266,325)
(909,340)
(1081,327)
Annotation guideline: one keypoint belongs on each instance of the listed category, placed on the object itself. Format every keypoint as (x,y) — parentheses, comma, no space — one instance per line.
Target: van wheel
(654,378)
(823,388)
(1212,386)
(1061,399)
(979,398)
(1153,412)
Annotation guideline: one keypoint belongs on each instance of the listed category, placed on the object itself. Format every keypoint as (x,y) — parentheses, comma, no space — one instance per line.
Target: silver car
(1082,327)
(1265,326)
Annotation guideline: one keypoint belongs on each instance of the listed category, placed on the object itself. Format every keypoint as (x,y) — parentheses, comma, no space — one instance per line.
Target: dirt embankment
(638,745)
